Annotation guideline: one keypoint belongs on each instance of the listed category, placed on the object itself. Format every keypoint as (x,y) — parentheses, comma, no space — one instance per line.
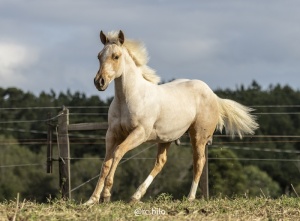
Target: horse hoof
(105,199)
(191,199)
(90,202)
(134,201)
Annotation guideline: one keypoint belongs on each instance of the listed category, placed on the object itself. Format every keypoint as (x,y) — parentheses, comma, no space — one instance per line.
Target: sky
(53,45)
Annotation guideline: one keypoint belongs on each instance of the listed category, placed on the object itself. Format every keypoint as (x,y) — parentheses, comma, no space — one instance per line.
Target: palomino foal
(144,111)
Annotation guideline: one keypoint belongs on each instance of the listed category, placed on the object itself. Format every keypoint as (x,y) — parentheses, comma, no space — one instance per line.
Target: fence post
(204,177)
(49,144)
(64,154)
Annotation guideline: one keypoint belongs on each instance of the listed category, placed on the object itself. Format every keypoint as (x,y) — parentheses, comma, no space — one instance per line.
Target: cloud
(14,59)
(54,44)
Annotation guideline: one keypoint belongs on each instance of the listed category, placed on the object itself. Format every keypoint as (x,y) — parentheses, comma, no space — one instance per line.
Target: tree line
(264,164)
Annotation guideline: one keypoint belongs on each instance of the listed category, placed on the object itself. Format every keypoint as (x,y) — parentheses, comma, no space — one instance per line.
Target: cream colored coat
(144,111)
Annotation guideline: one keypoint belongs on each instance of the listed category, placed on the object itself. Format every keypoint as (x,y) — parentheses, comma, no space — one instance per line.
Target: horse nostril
(102,82)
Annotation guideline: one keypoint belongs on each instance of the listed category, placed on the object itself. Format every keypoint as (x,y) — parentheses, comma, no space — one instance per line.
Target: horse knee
(108,183)
(106,168)
(162,161)
(118,154)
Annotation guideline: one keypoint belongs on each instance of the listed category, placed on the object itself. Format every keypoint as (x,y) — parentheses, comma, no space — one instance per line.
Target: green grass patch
(164,207)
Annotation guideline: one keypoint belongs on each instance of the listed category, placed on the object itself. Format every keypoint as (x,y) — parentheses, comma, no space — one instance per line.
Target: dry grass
(162,208)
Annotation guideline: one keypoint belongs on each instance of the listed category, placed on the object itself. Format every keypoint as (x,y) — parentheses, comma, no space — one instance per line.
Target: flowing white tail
(236,118)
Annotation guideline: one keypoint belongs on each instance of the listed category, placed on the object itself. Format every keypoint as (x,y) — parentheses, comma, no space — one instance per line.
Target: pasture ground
(162,208)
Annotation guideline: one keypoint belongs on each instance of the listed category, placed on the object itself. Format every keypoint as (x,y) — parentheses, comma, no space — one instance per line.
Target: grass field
(162,208)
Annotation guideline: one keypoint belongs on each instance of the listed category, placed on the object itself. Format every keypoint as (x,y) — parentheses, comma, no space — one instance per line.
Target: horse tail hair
(235,118)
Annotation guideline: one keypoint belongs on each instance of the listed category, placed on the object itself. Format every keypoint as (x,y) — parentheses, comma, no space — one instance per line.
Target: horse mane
(139,54)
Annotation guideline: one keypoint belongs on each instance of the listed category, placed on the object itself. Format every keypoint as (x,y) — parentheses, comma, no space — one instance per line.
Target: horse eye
(116,57)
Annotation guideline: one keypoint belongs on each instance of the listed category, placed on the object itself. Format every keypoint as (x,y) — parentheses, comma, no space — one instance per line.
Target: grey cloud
(225,43)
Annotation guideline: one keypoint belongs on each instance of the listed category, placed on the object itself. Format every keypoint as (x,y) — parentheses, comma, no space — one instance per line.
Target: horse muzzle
(100,83)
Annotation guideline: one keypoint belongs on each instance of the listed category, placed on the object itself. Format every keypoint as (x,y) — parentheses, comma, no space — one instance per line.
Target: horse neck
(130,83)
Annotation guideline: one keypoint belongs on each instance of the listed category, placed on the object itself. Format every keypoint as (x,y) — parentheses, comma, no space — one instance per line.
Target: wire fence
(81,139)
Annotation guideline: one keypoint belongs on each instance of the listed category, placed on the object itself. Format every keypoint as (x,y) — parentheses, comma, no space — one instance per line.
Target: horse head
(110,59)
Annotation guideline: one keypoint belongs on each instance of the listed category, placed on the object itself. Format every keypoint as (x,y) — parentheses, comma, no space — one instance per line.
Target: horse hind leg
(199,142)
(161,159)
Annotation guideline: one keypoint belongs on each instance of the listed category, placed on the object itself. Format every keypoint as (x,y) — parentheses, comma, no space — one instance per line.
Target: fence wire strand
(133,157)
(129,158)
(21,165)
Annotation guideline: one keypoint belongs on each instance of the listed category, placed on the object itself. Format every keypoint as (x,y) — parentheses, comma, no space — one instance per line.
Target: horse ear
(121,37)
(103,37)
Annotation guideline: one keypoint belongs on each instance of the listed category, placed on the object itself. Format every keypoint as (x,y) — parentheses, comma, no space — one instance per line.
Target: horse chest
(124,122)
(125,117)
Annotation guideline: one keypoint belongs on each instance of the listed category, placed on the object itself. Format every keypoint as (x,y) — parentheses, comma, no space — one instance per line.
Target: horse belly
(179,106)
(173,126)
(169,135)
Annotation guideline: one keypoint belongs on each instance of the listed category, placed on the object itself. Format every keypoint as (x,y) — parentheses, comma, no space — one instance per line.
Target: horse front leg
(161,159)
(134,139)
(111,143)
